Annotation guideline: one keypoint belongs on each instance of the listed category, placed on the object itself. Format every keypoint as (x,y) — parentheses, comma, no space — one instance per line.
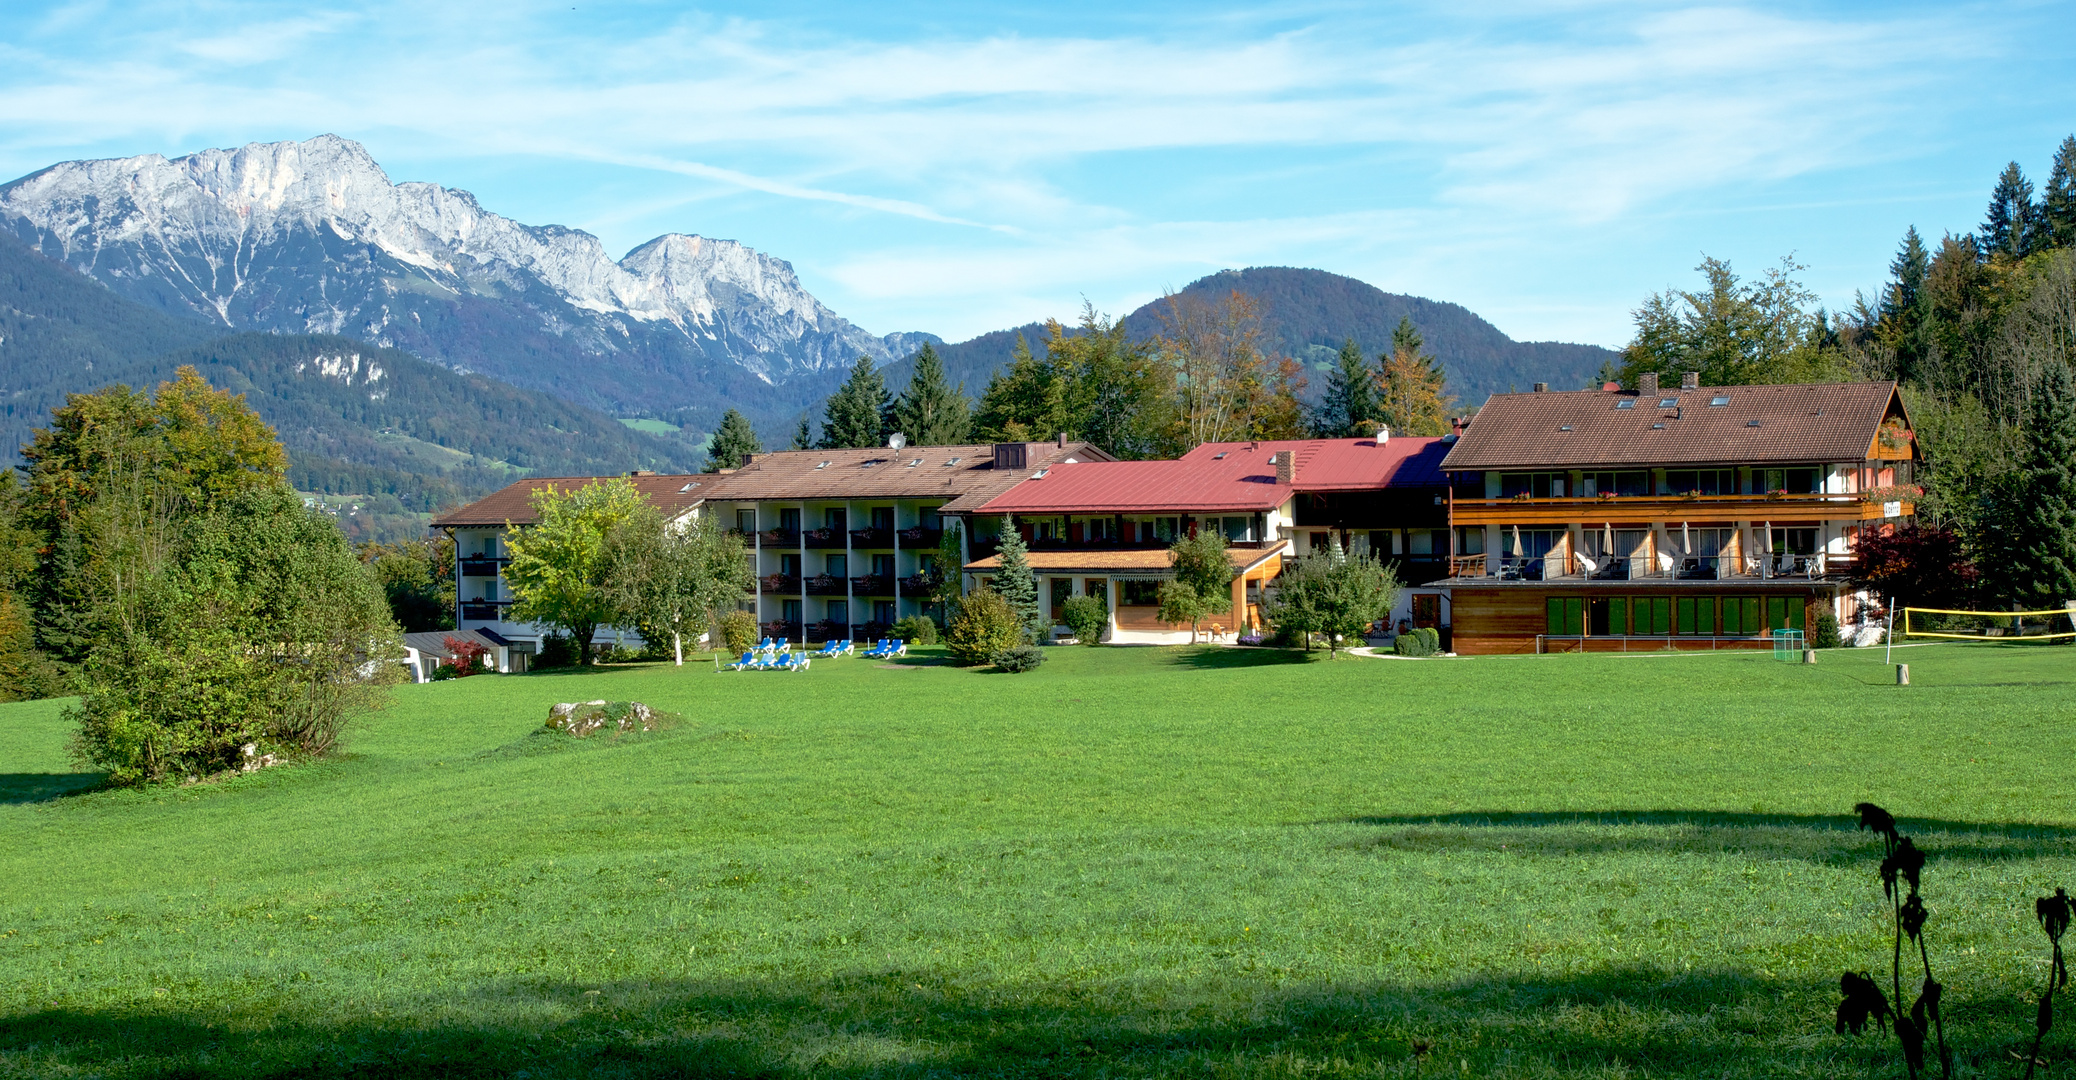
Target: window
(1804,481)
(790,610)
(1534,485)
(883,518)
(789,519)
(1705,481)
(836,565)
(746,521)
(1620,483)
(1099,529)
(1319,543)
(1044,529)
(1718,401)
(1740,616)
(1165,529)
(1098,588)
(1470,540)
(835,518)
(1794,541)
(1565,616)
(1783,613)
(930,517)
(1238,528)
(883,612)
(883,565)
(839,611)
(1138,593)
(1653,614)
(1626,403)
(1668,403)
(1420,542)
(789,564)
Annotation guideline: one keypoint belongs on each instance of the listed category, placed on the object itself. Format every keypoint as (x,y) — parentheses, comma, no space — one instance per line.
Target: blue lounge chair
(765,645)
(878,649)
(834,647)
(749,660)
(783,646)
(896,647)
(794,662)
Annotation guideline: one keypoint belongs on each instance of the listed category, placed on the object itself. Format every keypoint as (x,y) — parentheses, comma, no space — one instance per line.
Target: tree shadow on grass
(1609,1020)
(17,788)
(1216,657)
(1832,840)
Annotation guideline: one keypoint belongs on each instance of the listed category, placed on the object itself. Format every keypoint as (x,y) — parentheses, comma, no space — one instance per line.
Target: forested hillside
(403,435)
(1308,314)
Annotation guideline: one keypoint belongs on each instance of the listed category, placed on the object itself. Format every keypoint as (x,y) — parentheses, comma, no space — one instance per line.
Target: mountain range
(413,348)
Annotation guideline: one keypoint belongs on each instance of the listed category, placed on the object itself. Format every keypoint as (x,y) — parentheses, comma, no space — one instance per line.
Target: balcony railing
(872,585)
(872,538)
(482,565)
(918,584)
(484,610)
(984,546)
(920,537)
(779,584)
(827,631)
(780,628)
(871,631)
(1663,567)
(779,538)
(826,585)
(824,538)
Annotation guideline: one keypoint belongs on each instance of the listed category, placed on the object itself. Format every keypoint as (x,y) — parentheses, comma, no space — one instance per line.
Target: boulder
(580,719)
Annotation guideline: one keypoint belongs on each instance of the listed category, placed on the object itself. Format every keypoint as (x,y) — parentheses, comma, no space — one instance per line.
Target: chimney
(1286,467)
(643,472)
(1542,388)
(1690,380)
(1063,440)
(1647,384)
(1383,434)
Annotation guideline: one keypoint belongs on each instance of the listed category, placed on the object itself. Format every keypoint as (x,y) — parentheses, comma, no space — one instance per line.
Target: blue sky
(1545,165)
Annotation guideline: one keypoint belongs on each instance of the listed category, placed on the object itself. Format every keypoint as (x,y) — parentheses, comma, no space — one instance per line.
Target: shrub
(1826,634)
(1088,617)
(736,631)
(984,628)
(1020,659)
(1419,641)
(468,655)
(443,673)
(556,651)
(916,630)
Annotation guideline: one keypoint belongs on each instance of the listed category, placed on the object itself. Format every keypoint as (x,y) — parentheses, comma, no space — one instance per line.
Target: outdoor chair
(749,660)
(765,645)
(832,648)
(793,662)
(896,647)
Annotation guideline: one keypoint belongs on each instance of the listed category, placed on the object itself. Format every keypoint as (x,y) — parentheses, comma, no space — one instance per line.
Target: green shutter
(1661,615)
(1685,609)
(1795,606)
(1553,615)
(1733,623)
(1618,615)
(1705,615)
(1574,615)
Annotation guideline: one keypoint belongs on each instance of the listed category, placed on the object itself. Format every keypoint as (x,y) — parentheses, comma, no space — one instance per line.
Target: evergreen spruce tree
(804,435)
(2058,204)
(2043,512)
(1017,584)
(2009,227)
(929,411)
(1903,306)
(1350,398)
(856,414)
(1411,398)
(735,441)
(1022,402)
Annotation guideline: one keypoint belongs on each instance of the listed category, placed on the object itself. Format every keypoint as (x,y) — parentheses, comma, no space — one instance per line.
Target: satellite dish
(896,441)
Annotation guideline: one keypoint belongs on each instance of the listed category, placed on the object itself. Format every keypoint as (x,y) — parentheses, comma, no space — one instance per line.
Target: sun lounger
(833,648)
(749,660)
(794,662)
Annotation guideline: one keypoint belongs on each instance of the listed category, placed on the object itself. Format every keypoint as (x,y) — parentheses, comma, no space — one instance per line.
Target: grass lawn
(1130,862)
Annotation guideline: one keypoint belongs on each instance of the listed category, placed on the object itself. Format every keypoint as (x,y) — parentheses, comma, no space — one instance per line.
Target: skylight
(1626,403)
(1219,456)
(1718,401)
(823,465)
(953,462)
(1564,427)
(689,486)
(1040,474)
(1751,423)
(916,462)
(1657,427)
(1668,402)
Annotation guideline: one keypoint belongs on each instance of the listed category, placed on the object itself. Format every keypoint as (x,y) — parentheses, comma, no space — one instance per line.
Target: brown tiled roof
(1797,423)
(1225,476)
(671,494)
(1152,560)
(915,472)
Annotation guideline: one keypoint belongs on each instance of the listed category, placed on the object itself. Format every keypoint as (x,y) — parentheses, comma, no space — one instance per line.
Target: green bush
(916,630)
(984,628)
(735,631)
(1088,617)
(1020,659)
(556,651)
(1826,635)
(444,673)
(1419,641)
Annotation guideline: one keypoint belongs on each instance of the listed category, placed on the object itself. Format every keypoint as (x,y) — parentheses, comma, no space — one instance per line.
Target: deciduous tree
(1733,332)
(1203,578)
(672,581)
(563,571)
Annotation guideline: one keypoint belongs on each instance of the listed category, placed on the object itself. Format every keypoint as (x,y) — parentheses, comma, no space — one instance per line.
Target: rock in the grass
(251,760)
(582,718)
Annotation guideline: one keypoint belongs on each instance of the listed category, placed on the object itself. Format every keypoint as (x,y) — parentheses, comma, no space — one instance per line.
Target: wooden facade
(1630,617)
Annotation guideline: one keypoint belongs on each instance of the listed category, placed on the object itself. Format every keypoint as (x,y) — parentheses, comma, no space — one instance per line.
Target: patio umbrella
(1686,540)
(1517,541)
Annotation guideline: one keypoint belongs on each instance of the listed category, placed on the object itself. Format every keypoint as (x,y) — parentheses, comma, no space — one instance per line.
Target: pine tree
(2042,514)
(1350,398)
(1411,400)
(929,411)
(1017,584)
(804,435)
(732,444)
(856,414)
(2009,228)
(2058,204)
(1903,305)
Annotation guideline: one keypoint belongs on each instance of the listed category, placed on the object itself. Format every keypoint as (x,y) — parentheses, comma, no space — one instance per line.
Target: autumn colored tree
(1411,397)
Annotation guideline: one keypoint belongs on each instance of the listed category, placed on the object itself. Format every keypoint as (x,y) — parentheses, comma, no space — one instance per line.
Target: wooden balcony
(1774,507)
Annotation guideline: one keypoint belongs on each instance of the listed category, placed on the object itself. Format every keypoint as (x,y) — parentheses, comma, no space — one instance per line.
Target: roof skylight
(1564,427)
(916,462)
(1219,456)
(1657,427)
(1626,403)
(823,465)
(1040,474)
(952,462)
(1718,401)
(1668,402)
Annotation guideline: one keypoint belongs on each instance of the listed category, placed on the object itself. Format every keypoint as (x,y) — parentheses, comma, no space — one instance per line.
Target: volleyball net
(1956,625)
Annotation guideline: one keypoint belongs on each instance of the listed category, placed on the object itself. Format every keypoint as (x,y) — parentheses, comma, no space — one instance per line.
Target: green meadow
(1129,862)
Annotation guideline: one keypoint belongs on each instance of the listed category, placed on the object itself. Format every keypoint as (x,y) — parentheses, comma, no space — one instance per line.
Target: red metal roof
(1224,476)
